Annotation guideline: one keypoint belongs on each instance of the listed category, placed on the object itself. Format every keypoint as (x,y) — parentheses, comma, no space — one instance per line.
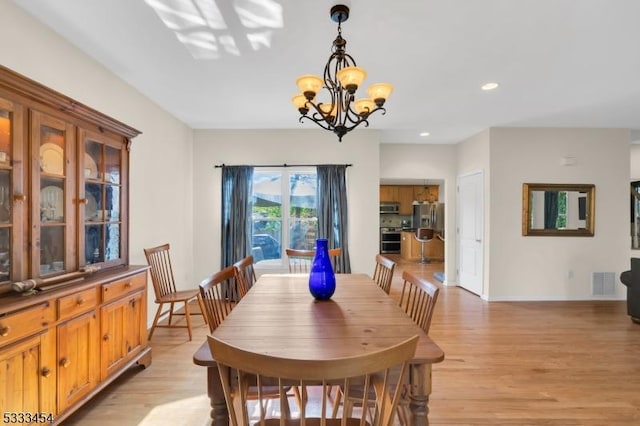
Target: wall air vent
(603,284)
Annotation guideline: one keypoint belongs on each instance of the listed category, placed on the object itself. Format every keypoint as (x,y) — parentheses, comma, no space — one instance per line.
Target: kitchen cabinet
(55,343)
(427,193)
(28,363)
(405,198)
(407,194)
(72,309)
(410,248)
(122,320)
(77,360)
(388,193)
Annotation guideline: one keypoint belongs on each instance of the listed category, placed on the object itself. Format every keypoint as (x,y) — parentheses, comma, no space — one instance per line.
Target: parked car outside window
(269,247)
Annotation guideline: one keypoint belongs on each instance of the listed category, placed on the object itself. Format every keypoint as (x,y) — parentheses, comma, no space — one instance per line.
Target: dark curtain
(550,209)
(237,184)
(332,211)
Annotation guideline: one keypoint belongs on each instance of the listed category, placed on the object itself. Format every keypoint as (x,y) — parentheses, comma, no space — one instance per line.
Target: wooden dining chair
(164,287)
(418,300)
(383,273)
(218,304)
(375,368)
(300,260)
(246,274)
(220,293)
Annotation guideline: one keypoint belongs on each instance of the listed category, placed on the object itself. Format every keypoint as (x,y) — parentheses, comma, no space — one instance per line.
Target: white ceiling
(560,63)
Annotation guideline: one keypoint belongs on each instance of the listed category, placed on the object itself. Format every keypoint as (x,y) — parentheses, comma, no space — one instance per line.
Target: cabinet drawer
(114,290)
(74,304)
(25,322)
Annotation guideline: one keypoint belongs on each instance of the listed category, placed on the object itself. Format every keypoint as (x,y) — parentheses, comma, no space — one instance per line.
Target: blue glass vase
(322,279)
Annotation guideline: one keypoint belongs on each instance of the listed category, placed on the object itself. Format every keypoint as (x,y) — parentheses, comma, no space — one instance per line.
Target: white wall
(161,179)
(411,161)
(235,147)
(556,268)
(635,161)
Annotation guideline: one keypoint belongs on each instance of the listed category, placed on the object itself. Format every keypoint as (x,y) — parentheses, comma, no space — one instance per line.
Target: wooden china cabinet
(72,310)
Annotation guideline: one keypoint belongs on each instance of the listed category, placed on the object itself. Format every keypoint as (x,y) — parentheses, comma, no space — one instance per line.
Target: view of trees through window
(561,221)
(284,210)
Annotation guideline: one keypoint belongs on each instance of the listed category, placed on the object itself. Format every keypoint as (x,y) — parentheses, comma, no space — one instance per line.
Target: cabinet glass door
(11,193)
(102,169)
(6,226)
(53,141)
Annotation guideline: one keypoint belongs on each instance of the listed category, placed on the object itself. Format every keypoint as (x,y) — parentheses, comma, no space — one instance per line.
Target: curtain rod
(218,166)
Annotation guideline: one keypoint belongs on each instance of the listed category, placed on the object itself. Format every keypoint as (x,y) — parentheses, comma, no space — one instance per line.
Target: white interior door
(470,232)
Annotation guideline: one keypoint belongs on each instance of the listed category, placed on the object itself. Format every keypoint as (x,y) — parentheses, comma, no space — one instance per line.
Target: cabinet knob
(80,301)
(46,372)
(4,330)
(127,284)
(106,337)
(83,201)
(64,362)
(19,197)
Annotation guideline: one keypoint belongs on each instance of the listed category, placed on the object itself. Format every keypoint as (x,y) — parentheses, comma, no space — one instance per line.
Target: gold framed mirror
(560,210)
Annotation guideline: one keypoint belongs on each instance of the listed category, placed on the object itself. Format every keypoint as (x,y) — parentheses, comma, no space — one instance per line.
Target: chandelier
(341,112)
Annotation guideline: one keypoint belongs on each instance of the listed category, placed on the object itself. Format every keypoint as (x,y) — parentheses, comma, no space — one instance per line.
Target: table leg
(420,381)
(219,413)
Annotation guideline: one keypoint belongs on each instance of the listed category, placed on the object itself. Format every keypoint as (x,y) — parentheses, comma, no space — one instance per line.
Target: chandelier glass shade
(339,111)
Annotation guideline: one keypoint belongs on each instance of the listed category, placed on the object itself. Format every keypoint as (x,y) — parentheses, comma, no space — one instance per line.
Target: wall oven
(390,240)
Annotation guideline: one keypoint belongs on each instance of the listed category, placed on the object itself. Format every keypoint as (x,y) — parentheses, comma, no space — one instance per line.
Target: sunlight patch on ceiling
(201,25)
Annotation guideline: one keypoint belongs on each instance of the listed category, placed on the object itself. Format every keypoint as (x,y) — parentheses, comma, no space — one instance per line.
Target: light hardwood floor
(507,363)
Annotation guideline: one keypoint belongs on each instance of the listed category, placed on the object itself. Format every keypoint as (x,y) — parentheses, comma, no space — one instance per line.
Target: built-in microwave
(389,208)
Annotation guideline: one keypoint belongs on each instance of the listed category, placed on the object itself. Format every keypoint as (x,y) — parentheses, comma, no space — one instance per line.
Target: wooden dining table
(279,317)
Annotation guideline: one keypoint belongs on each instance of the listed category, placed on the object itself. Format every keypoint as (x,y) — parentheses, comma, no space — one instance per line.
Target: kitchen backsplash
(393,220)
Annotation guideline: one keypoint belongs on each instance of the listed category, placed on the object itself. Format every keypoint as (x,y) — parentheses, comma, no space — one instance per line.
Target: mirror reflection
(635,215)
(558,209)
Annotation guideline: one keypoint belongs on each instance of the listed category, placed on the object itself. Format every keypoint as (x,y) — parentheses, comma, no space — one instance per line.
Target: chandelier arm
(354,113)
(318,115)
(364,120)
(349,61)
(321,123)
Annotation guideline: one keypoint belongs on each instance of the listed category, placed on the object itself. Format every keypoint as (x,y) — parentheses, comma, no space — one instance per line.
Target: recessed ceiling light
(489,86)
(424,134)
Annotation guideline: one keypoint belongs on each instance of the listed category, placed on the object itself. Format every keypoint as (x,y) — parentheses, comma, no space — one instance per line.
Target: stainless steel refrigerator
(429,215)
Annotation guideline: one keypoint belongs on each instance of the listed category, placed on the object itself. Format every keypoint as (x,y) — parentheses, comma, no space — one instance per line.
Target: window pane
(112,202)
(561,222)
(5,254)
(112,246)
(303,218)
(284,213)
(51,247)
(267,216)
